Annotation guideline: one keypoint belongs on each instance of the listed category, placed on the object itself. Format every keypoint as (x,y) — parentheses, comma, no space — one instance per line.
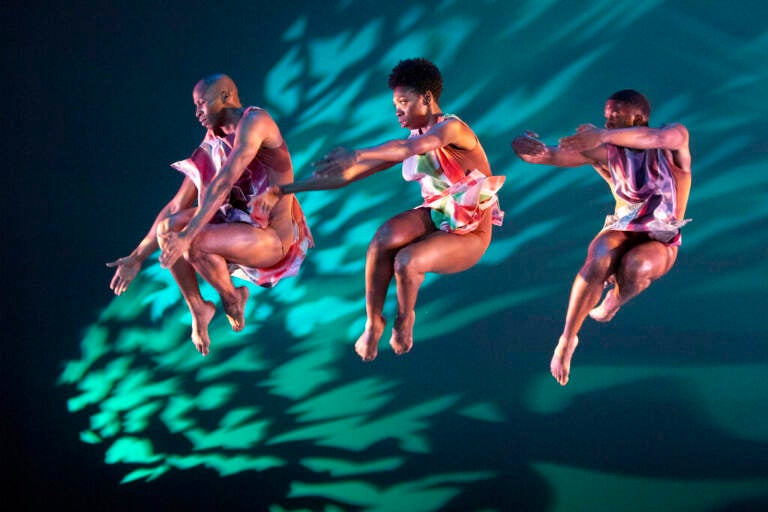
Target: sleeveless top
(208,158)
(456,185)
(203,165)
(645,192)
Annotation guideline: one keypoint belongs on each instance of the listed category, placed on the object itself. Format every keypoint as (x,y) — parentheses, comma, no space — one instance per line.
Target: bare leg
(600,312)
(378,274)
(367,345)
(439,252)
(639,267)
(201,318)
(608,308)
(402,332)
(602,257)
(235,311)
(379,270)
(214,269)
(238,243)
(202,311)
(560,366)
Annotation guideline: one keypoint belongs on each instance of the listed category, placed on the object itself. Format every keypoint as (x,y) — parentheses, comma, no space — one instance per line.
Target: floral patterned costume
(203,165)
(456,195)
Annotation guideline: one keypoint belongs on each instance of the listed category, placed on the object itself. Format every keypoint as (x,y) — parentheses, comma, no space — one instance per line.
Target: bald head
(219,85)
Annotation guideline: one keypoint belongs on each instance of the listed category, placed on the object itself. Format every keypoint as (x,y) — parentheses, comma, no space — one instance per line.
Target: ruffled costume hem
(636,218)
(290,264)
(457,199)
(204,163)
(460,207)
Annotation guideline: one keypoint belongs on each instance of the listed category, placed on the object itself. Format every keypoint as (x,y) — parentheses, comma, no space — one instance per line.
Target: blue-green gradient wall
(666,408)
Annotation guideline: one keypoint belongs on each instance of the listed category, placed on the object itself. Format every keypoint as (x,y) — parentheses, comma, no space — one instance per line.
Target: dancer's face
(209,105)
(411,108)
(622,115)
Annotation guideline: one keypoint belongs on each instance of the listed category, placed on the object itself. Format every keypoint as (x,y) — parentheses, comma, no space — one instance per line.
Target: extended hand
(174,245)
(127,269)
(587,137)
(334,163)
(528,146)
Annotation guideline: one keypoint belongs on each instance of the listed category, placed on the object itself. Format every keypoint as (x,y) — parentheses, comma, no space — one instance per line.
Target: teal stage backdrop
(666,408)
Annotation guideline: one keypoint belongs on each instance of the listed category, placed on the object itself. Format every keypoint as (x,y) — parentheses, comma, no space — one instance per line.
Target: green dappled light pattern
(666,407)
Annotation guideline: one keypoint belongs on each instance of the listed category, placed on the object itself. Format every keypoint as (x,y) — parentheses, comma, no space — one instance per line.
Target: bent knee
(193,254)
(596,268)
(385,239)
(406,265)
(639,269)
(175,222)
(164,226)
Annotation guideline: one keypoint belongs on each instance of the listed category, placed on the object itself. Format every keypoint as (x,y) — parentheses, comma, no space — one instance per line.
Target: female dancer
(447,233)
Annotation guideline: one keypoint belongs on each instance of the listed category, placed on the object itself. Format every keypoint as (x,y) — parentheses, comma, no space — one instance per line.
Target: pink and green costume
(205,163)
(456,185)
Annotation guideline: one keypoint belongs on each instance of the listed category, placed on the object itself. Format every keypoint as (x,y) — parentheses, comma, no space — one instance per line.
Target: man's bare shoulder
(677,134)
(256,115)
(674,140)
(258,124)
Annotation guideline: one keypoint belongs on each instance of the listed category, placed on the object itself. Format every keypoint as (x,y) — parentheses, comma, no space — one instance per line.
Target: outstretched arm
(129,266)
(319,180)
(341,166)
(532,150)
(252,130)
(673,137)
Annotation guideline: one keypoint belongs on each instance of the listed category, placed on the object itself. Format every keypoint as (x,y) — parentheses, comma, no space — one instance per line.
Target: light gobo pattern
(470,418)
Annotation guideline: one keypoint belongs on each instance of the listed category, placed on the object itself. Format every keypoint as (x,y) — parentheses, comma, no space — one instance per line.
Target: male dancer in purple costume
(649,171)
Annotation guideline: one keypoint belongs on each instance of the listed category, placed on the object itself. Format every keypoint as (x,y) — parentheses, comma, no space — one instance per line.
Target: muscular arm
(328,181)
(533,151)
(251,132)
(128,266)
(674,139)
(448,132)
(341,167)
(682,190)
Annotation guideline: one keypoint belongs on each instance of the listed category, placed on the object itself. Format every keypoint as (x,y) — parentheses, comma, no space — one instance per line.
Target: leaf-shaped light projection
(443,425)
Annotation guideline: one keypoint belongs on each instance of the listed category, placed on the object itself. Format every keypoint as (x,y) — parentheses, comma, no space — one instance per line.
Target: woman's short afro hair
(418,74)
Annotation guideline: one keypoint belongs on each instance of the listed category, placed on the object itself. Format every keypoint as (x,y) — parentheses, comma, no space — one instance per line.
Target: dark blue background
(97,103)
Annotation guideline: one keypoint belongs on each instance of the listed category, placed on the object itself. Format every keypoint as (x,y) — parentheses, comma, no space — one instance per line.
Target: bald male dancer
(208,229)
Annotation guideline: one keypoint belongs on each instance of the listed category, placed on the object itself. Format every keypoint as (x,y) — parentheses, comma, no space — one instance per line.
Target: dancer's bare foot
(560,366)
(235,311)
(367,345)
(402,333)
(608,308)
(201,317)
